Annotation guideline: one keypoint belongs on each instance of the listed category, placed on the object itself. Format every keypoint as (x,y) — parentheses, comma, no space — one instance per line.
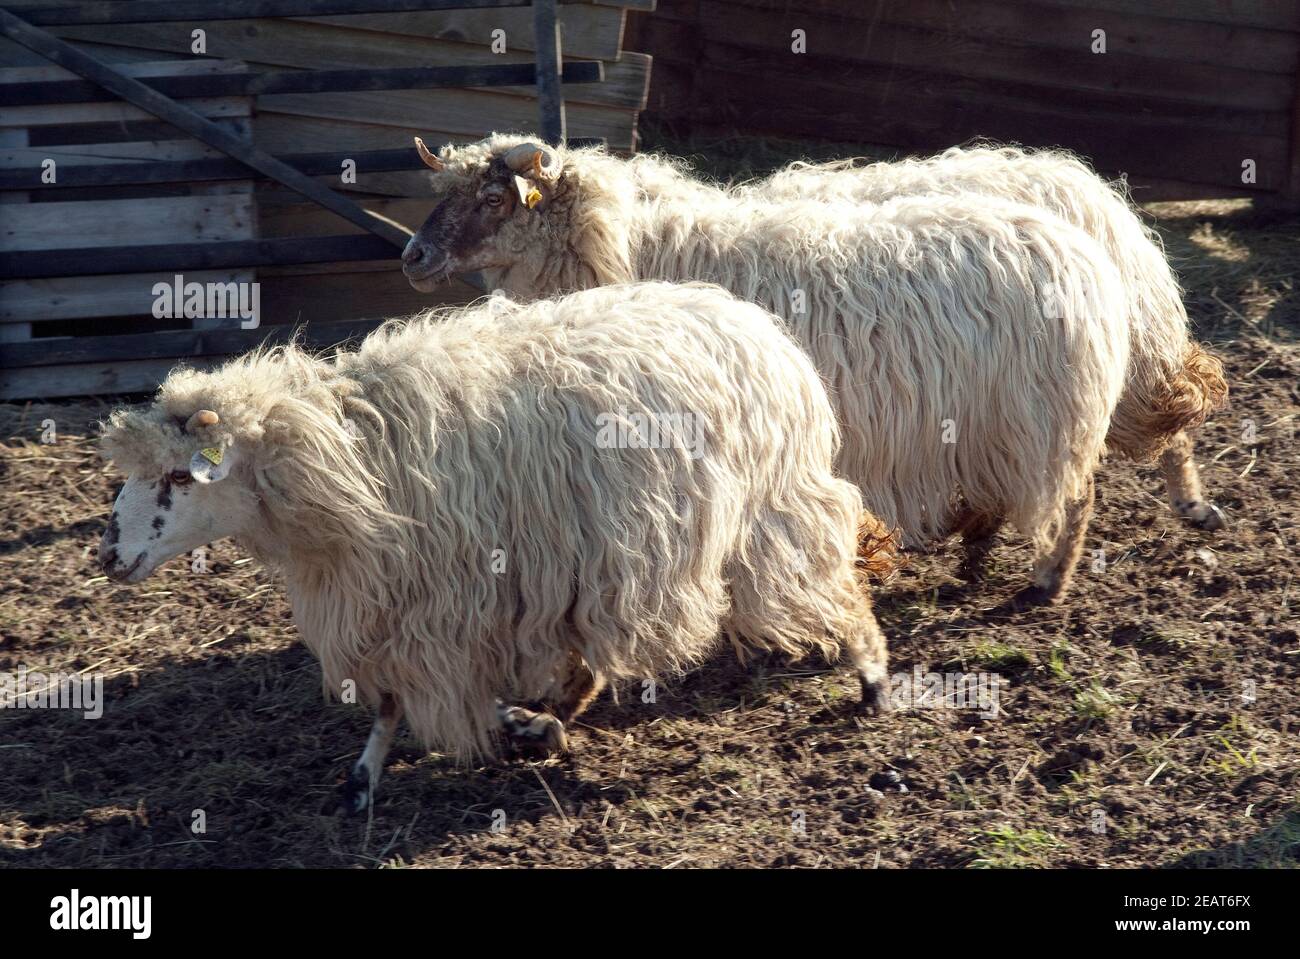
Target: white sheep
(1173,384)
(515,500)
(975,348)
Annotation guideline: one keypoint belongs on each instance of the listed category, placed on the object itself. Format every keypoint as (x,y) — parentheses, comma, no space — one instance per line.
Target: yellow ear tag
(212,454)
(534,197)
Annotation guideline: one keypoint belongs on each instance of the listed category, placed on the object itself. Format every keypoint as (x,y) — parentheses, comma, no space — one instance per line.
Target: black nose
(108,557)
(417,255)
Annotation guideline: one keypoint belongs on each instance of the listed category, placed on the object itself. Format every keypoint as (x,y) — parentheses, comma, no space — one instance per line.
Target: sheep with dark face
(516,501)
(975,348)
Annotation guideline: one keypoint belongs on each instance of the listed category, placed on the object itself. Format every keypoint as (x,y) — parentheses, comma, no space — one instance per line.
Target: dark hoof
(533,734)
(1032,597)
(354,795)
(875,699)
(1214,519)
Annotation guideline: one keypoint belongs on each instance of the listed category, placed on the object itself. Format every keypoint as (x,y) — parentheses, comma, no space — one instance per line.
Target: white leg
(359,790)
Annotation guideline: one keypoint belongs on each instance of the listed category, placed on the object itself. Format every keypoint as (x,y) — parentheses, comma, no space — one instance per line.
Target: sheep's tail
(1147,420)
(1198,390)
(879,548)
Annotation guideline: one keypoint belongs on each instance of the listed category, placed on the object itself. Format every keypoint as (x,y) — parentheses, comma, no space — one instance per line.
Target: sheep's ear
(212,463)
(529,195)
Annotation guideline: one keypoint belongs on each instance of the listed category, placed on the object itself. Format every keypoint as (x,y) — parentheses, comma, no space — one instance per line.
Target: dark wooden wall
(1185,92)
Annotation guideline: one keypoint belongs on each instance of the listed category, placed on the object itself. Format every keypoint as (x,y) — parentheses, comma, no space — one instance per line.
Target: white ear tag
(210,464)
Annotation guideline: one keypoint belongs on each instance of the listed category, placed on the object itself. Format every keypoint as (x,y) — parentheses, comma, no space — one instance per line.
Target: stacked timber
(342,295)
(46,141)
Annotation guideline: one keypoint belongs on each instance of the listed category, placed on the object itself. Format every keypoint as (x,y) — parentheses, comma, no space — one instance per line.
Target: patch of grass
(1232,762)
(1056,663)
(1009,848)
(993,655)
(1095,703)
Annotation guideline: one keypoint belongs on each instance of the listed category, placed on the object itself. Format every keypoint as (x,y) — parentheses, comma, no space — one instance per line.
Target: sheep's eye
(492,199)
(182,477)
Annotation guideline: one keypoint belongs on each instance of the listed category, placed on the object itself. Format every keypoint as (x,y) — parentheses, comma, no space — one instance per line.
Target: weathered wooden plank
(285,133)
(131,153)
(185,257)
(930,51)
(80,134)
(96,223)
(465,112)
(90,379)
(306,81)
(141,69)
(320,46)
(326,297)
(15,331)
(546,30)
(87,297)
(590,31)
(191,171)
(65,114)
(61,350)
(163,11)
(1292,188)
(304,219)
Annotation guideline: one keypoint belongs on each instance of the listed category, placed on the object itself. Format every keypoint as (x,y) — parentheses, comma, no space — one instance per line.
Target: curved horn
(528,159)
(200,419)
(431,161)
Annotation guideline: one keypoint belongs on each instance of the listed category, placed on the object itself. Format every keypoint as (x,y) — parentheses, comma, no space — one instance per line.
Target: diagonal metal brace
(150,100)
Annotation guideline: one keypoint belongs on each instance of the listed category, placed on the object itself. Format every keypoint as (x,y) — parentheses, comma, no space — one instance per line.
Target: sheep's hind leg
(870,656)
(1183,481)
(538,729)
(359,790)
(1053,572)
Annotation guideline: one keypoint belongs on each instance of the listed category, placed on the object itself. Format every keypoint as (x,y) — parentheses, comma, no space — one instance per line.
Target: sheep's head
(179,493)
(493,200)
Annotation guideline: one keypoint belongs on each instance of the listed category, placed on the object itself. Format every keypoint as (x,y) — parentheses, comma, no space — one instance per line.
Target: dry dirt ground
(1129,736)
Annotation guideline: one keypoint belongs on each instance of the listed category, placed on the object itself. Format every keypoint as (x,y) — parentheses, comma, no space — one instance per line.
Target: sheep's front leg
(359,790)
(979,534)
(1183,481)
(539,730)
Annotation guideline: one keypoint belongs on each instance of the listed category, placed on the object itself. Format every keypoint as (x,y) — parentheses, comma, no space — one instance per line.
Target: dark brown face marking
(165,494)
(462,223)
(158,522)
(114,532)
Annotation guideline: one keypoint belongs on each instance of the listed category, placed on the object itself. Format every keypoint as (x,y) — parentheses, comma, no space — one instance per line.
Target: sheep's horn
(431,161)
(528,159)
(200,419)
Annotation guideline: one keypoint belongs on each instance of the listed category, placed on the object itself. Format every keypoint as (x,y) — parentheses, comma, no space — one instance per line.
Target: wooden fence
(276,106)
(1185,92)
